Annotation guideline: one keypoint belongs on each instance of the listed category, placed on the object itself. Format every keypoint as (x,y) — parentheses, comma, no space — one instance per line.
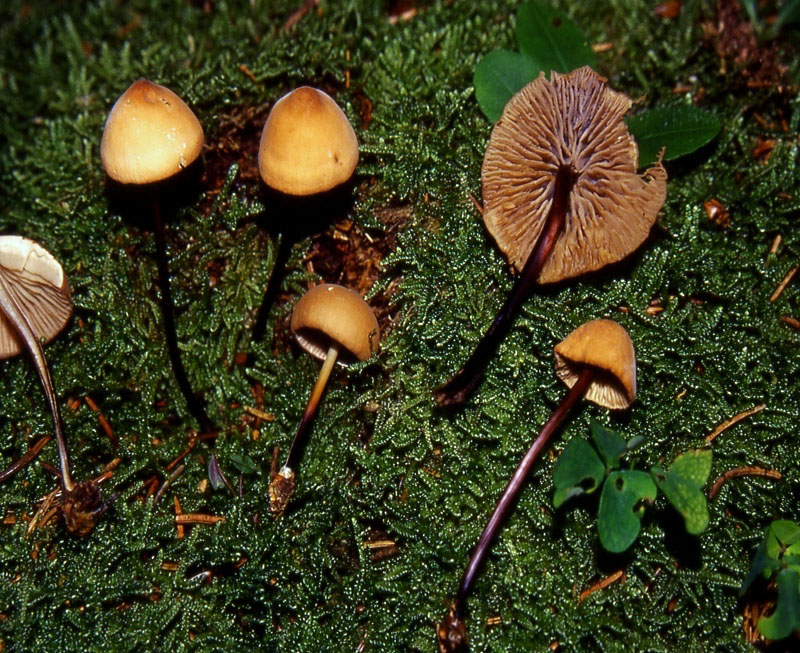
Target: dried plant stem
(458,389)
(27,457)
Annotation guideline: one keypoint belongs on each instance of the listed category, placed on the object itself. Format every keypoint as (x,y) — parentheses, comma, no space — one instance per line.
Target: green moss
(382,458)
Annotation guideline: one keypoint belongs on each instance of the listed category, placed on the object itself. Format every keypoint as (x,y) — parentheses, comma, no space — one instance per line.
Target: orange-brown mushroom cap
(150,135)
(605,345)
(330,313)
(574,120)
(37,283)
(308,145)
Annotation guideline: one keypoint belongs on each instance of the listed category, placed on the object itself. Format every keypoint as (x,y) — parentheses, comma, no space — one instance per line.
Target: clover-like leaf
(678,130)
(682,486)
(551,39)
(610,445)
(498,76)
(620,513)
(244,463)
(577,471)
(786,617)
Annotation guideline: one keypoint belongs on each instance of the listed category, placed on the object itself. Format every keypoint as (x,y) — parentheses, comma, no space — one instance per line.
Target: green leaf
(789,13)
(786,617)
(498,76)
(763,565)
(786,532)
(751,9)
(680,129)
(551,39)
(577,464)
(619,516)
(682,487)
(610,445)
(244,463)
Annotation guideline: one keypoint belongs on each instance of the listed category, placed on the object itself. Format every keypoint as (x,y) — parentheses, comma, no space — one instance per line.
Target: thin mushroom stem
(460,387)
(513,488)
(167,310)
(311,406)
(16,316)
(273,286)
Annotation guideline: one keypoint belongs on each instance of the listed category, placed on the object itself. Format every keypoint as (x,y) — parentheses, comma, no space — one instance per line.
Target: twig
(27,457)
(198,518)
(792,322)
(475,203)
(602,584)
(103,421)
(742,471)
(178,513)
(782,285)
(178,471)
(297,15)
(255,412)
(44,508)
(192,442)
(734,420)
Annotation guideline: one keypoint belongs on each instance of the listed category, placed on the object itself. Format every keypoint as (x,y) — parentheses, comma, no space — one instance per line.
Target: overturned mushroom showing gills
(561,194)
(597,362)
(331,323)
(149,136)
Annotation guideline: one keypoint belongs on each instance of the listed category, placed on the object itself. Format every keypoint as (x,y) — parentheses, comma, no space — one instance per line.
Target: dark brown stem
(460,387)
(167,309)
(14,313)
(273,286)
(29,455)
(513,488)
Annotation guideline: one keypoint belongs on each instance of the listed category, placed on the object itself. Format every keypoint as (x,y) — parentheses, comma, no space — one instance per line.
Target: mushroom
(561,194)
(597,362)
(35,305)
(151,135)
(333,324)
(308,147)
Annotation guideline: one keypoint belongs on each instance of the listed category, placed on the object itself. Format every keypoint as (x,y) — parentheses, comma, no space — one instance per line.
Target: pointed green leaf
(786,617)
(680,129)
(682,487)
(575,466)
(610,445)
(498,76)
(551,39)
(763,565)
(789,13)
(787,532)
(619,516)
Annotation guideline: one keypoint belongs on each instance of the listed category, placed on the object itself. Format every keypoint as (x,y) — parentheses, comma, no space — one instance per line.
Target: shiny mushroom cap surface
(330,313)
(150,135)
(575,120)
(36,283)
(606,346)
(308,145)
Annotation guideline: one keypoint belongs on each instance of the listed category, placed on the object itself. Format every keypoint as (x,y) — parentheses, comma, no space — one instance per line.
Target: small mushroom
(561,194)
(308,150)
(597,362)
(151,135)
(308,145)
(334,324)
(35,305)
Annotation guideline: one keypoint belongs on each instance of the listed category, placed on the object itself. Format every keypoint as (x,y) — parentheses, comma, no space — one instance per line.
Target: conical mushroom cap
(330,313)
(38,286)
(308,145)
(575,120)
(605,345)
(150,135)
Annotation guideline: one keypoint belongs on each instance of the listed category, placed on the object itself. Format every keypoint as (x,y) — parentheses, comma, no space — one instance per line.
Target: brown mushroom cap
(150,135)
(574,120)
(605,345)
(308,145)
(37,284)
(330,313)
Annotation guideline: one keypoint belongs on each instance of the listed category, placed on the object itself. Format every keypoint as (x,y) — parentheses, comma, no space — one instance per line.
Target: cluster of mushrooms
(561,197)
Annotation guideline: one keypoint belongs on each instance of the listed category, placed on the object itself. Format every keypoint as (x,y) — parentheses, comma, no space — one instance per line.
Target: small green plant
(778,560)
(584,467)
(549,41)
